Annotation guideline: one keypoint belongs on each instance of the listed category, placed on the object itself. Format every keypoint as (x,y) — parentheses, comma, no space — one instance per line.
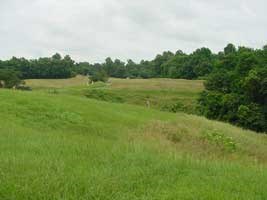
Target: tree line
(166,65)
(53,67)
(197,65)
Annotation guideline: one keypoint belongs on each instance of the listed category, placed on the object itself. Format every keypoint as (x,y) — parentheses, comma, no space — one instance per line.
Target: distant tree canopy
(197,65)
(54,67)
(236,90)
(167,65)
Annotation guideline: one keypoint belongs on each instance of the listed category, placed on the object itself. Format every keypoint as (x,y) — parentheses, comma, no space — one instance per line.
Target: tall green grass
(56,146)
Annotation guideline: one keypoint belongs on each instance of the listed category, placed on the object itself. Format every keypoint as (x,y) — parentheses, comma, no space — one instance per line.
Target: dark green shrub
(210,104)
(99,76)
(9,78)
(251,117)
(24,87)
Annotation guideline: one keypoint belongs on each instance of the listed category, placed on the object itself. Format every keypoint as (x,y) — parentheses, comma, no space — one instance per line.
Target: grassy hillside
(164,94)
(77,81)
(61,146)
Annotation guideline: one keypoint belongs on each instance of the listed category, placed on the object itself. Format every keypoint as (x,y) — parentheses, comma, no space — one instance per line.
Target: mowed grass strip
(56,146)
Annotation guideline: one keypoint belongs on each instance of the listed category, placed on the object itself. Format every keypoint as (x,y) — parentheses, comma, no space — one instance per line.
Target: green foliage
(252,117)
(229,49)
(168,65)
(104,95)
(179,106)
(197,65)
(220,140)
(238,94)
(9,78)
(219,81)
(54,67)
(210,104)
(100,75)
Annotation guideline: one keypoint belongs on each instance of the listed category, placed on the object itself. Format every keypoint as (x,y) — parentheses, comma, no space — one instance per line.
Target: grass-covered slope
(55,146)
(163,94)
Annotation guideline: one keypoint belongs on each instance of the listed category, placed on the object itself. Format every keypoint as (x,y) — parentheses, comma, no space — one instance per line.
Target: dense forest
(235,87)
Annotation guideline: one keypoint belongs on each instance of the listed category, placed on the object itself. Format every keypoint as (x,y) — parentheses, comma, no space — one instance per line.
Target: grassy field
(77,81)
(164,94)
(57,144)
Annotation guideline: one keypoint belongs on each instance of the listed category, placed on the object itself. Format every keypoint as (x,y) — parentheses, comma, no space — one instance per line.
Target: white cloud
(94,29)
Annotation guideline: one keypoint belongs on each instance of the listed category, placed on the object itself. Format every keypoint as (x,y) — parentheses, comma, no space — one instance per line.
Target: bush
(251,117)
(24,87)
(99,76)
(9,78)
(221,140)
(210,104)
(219,81)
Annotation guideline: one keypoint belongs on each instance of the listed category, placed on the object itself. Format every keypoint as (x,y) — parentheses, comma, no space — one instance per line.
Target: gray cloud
(94,29)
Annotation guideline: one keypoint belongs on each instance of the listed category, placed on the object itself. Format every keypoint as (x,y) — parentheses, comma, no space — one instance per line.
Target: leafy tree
(251,117)
(83,68)
(210,104)
(219,81)
(100,75)
(229,49)
(56,56)
(109,66)
(238,94)
(9,78)
(159,61)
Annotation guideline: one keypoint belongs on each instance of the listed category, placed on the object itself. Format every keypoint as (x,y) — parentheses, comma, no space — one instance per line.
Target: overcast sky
(92,30)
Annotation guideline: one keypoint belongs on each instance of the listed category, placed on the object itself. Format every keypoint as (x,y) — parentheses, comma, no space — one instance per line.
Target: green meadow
(162,94)
(69,140)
